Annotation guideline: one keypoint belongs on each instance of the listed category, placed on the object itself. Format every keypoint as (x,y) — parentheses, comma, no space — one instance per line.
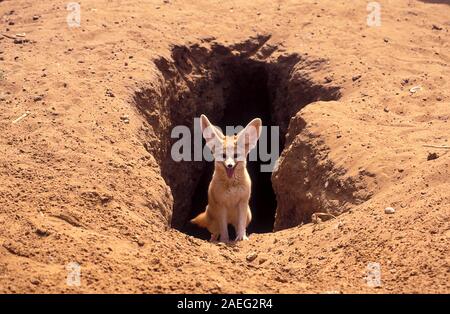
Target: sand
(81,177)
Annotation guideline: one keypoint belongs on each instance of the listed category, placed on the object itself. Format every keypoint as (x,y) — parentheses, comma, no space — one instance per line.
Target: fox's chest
(236,191)
(231,195)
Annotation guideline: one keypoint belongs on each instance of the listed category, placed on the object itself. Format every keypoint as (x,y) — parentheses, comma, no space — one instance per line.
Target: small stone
(386,109)
(109,93)
(140,243)
(42,232)
(389,210)
(432,156)
(415,89)
(281,279)
(35,281)
(251,256)
(356,77)
(19,41)
(125,118)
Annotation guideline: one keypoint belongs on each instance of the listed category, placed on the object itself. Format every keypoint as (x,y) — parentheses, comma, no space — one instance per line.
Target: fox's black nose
(230,166)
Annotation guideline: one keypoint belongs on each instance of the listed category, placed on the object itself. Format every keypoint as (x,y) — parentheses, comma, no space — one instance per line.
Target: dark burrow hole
(231,89)
(247,97)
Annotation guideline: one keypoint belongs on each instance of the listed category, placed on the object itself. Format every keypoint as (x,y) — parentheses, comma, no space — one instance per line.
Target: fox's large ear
(248,137)
(212,134)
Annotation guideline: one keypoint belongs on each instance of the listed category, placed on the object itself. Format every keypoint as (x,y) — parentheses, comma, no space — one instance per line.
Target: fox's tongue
(230,172)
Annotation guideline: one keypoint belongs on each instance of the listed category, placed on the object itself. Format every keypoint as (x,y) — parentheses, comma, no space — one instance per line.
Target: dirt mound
(88,185)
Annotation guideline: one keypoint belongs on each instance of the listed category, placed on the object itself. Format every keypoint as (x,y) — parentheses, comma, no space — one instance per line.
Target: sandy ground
(77,184)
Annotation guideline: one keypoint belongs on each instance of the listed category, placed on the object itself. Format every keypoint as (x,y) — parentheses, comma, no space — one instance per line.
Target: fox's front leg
(243,220)
(223,227)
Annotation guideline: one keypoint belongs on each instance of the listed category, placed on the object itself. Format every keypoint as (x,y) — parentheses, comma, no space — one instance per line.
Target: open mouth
(230,171)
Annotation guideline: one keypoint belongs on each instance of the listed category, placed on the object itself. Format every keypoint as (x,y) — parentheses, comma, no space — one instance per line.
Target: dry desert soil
(86,174)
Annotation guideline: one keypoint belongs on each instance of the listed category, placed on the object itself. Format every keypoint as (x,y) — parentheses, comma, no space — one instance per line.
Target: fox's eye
(224,156)
(235,156)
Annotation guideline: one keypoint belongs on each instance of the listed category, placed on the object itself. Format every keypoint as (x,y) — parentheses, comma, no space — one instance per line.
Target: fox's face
(230,152)
(230,156)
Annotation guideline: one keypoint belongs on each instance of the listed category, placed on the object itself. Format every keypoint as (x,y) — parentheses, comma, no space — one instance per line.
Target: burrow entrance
(231,85)
(246,97)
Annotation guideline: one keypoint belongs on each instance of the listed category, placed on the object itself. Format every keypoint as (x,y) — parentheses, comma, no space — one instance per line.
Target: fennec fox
(230,187)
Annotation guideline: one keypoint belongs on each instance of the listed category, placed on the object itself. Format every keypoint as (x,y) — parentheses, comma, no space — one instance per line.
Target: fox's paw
(241,238)
(224,240)
(214,238)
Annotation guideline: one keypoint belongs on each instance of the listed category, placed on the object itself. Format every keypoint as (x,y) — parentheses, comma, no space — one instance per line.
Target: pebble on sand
(389,210)
(252,256)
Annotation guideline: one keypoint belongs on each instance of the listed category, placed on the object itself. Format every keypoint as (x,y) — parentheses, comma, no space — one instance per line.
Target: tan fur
(228,198)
